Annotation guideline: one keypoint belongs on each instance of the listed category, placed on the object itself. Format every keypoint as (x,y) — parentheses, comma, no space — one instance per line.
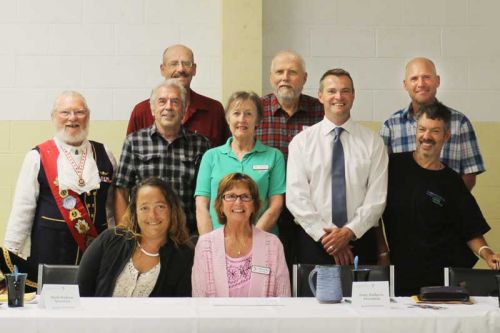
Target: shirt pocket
(149,165)
(189,167)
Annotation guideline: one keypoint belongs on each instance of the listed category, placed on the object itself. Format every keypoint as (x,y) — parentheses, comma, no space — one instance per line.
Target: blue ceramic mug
(328,284)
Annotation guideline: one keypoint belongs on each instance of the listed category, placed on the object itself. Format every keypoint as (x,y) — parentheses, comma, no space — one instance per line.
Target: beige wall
(241,47)
(17,137)
(487,189)
(242,67)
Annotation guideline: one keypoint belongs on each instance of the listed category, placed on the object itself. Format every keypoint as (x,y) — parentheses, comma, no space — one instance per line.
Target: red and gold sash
(77,218)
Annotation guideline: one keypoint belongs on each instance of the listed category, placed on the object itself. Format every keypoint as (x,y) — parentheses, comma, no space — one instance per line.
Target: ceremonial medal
(81,182)
(82,226)
(78,168)
(64,194)
(69,202)
(74,214)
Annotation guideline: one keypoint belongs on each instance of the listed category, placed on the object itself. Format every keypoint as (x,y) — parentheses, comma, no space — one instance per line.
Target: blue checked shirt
(461,152)
(146,154)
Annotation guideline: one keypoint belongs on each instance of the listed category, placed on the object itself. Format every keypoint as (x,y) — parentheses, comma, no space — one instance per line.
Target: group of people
(201,194)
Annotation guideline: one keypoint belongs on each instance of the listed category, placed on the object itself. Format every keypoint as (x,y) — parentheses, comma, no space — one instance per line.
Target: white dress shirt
(20,223)
(308,181)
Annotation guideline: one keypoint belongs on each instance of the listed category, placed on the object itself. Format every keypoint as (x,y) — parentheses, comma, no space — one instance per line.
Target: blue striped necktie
(339,207)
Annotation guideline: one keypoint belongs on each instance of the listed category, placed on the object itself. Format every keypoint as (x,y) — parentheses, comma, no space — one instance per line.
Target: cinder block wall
(110,50)
(373,40)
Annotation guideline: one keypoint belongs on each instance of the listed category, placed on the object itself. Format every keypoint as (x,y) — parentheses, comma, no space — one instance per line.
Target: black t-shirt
(429,218)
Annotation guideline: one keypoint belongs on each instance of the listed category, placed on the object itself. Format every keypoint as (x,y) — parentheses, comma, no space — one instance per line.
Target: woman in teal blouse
(242,153)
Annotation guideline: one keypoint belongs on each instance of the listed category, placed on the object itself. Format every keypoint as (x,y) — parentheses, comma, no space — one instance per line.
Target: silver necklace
(149,254)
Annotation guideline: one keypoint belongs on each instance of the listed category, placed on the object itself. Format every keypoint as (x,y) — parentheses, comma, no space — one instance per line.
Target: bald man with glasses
(203,115)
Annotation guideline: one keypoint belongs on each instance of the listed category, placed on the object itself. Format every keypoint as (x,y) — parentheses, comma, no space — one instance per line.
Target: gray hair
(69,93)
(246,96)
(293,54)
(170,83)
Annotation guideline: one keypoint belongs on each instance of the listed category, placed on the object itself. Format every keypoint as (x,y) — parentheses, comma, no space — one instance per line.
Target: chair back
(56,274)
(478,282)
(300,283)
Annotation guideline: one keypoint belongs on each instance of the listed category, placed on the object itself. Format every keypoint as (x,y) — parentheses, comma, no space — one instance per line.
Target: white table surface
(121,315)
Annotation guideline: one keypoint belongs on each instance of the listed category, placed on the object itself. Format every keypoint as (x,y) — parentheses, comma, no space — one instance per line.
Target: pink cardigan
(209,276)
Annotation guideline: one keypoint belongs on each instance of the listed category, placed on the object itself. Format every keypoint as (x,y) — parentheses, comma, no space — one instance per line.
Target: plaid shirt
(277,128)
(461,152)
(145,154)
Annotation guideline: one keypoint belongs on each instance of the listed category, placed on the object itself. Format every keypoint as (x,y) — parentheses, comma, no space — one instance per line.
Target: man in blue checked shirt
(461,152)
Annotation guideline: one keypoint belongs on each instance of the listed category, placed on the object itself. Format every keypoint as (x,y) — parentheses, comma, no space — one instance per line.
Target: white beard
(72,139)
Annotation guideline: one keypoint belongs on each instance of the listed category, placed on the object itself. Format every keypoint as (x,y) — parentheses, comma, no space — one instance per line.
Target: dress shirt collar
(327,126)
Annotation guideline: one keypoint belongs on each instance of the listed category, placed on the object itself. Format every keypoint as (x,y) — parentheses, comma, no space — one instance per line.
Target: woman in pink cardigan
(239,260)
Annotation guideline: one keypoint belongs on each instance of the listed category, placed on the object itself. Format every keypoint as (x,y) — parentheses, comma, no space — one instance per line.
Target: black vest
(51,240)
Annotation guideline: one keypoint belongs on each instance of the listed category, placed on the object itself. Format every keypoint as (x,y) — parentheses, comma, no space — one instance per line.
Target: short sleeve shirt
(263,164)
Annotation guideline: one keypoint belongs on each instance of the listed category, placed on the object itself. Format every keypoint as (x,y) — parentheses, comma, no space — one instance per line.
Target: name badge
(261,167)
(261,270)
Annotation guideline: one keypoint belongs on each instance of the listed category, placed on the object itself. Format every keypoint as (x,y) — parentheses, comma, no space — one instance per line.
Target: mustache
(428,141)
(179,74)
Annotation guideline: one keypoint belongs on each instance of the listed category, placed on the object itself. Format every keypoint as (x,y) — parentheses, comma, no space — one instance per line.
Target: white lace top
(131,283)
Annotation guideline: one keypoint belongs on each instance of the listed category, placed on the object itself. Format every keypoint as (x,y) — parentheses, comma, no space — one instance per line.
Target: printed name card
(371,294)
(60,296)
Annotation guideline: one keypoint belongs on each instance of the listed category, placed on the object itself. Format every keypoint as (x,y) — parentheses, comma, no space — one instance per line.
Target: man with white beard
(63,191)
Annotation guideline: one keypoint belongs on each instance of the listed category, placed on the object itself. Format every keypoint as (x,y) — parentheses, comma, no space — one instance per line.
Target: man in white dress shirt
(61,194)
(309,181)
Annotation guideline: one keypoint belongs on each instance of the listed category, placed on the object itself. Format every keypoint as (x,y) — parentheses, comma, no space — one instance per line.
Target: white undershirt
(66,174)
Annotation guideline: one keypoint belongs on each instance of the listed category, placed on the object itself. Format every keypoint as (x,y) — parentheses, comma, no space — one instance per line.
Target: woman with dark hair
(150,256)
(239,260)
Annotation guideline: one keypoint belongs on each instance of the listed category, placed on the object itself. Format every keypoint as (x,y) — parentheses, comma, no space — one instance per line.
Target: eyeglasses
(175,63)
(233,197)
(76,113)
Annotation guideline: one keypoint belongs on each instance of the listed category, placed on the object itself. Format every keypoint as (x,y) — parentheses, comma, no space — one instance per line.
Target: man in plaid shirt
(461,152)
(287,112)
(165,150)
